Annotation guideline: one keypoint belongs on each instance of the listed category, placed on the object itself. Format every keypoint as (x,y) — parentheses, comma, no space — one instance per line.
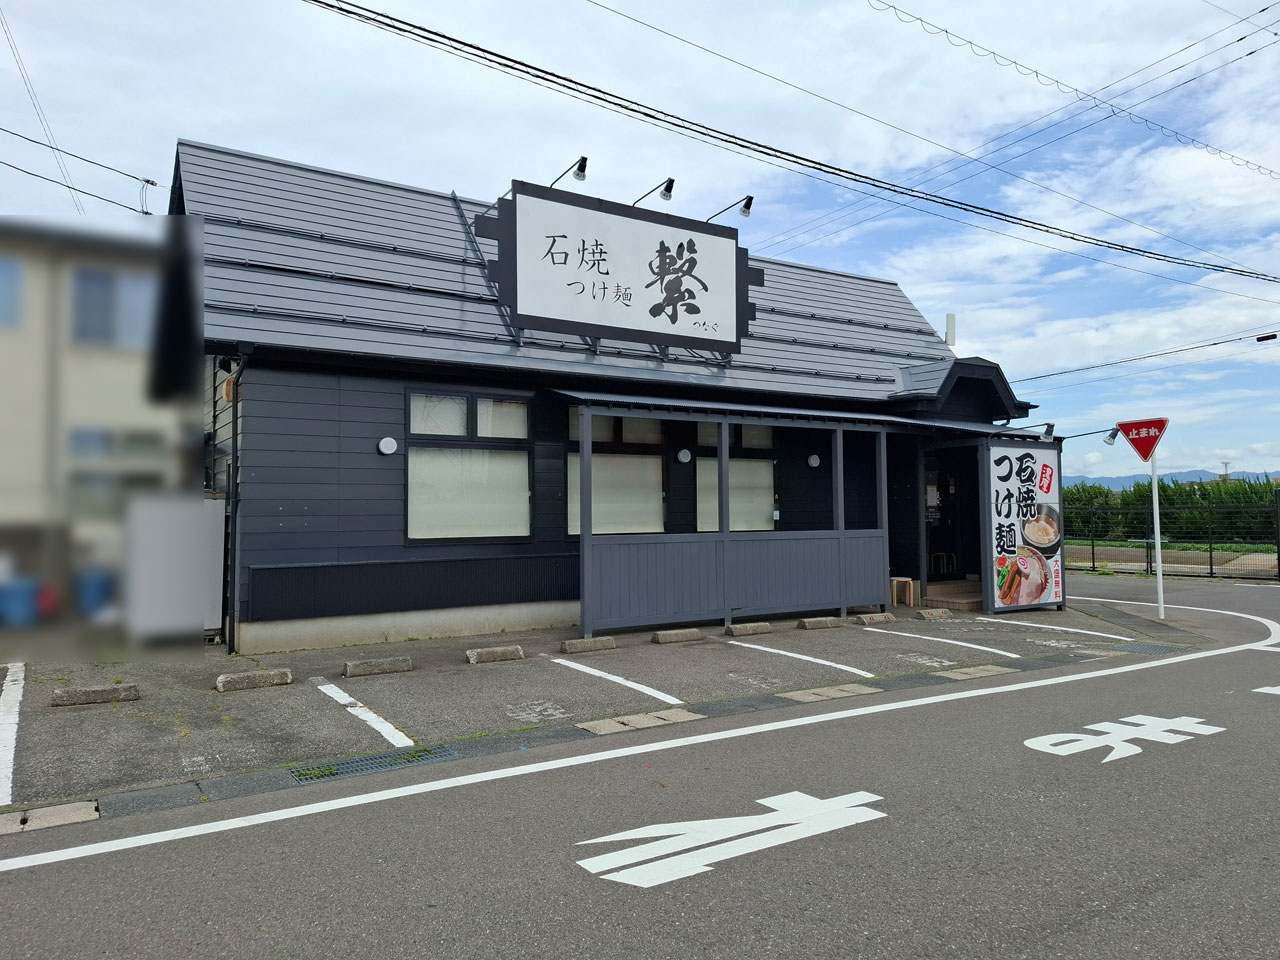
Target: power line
(40,116)
(893,126)
(1146,356)
(1040,146)
(667,119)
(104,166)
(1045,80)
(95,196)
(1137,373)
(796,231)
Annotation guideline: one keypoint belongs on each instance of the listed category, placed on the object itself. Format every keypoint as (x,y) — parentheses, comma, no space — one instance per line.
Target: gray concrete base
(866,619)
(748,629)
(252,680)
(587,644)
(366,668)
(935,614)
(818,623)
(677,636)
(109,693)
(277,636)
(493,654)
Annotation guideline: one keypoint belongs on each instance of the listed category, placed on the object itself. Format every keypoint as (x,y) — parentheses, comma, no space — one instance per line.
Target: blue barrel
(18,602)
(93,590)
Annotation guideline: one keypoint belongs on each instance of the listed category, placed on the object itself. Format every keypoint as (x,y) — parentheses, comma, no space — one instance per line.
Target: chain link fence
(1240,542)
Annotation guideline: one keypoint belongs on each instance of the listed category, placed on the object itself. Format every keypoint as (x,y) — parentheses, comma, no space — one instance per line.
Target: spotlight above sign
(595,268)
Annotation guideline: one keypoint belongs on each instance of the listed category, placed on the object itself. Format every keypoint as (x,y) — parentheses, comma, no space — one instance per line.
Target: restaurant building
(432,416)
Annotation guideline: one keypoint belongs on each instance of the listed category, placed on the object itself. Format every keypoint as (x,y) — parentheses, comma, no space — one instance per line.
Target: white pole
(1155,514)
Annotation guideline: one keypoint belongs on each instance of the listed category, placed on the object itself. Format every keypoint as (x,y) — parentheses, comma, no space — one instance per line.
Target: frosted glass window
(708,433)
(136,305)
(626,494)
(750,495)
(502,418)
(757,437)
(468,493)
(603,429)
(641,430)
(438,416)
(10,292)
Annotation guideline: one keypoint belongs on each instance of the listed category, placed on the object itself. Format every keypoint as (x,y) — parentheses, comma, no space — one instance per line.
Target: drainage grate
(377,763)
(1152,648)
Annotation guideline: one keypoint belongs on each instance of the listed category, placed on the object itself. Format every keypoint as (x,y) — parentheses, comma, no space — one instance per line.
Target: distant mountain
(1184,476)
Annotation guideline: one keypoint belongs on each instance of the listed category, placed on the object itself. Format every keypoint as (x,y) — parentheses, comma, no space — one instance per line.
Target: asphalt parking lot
(183,732)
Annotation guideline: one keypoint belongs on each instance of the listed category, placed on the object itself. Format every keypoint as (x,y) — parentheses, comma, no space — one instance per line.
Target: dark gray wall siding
(314,490)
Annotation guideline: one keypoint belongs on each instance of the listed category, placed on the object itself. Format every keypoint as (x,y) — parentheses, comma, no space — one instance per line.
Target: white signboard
(588,266)
(672,853)
(1026,526)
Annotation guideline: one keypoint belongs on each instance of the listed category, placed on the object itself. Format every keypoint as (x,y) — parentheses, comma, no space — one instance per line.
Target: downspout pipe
(233,500)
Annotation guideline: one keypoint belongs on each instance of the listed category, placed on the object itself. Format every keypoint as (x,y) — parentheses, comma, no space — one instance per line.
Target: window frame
(470,441)
(19,284)
(617,447)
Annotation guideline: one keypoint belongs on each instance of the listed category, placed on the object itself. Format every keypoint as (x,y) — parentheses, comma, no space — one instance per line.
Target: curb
(78,696)
(748,629)
(587,644)
(817,623)
(677,636)
(494,654)
(367,668)
(252,680)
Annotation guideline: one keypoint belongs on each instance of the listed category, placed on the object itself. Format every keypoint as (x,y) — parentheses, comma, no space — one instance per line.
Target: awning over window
(793,416)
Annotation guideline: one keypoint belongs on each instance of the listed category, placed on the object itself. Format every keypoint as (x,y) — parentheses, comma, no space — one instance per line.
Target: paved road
(987,848)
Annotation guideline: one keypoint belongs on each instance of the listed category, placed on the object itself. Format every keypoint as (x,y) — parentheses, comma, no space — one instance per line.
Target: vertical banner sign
(1026,526)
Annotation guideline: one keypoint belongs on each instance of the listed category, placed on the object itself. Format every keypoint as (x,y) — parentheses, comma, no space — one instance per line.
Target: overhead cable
(701,131)
(40,115)
(792,232)
(104,166)
(893,126)
(95,196)
(1089,98)
(1146,356)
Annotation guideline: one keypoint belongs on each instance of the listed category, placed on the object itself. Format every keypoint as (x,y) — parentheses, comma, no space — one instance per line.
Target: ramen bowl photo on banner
(1026,529)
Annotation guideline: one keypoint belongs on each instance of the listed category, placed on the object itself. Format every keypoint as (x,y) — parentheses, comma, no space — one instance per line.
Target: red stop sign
(1143,435)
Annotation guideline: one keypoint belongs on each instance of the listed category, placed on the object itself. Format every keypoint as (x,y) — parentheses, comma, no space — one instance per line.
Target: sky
(120,83)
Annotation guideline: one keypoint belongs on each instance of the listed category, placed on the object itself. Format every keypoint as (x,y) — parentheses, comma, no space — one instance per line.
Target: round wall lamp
(814,460)
(387,446)
(684,456)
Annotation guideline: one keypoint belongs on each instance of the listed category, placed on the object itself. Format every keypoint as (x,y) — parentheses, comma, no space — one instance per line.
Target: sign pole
(1155,516)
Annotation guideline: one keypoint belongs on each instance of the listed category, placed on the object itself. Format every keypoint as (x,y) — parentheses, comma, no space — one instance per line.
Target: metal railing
(1220,540)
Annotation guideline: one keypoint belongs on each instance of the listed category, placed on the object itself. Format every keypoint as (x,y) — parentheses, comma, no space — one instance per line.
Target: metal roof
(788,415)
(298,256)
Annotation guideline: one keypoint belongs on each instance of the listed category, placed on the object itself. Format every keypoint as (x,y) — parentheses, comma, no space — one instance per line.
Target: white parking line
(358,709)
(524,770)
(10,701)
(958,643)
(656,694)
(1273,628)
(801,656)
(1045,626)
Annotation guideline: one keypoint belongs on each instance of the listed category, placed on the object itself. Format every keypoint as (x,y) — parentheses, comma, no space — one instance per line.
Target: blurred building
(78,435)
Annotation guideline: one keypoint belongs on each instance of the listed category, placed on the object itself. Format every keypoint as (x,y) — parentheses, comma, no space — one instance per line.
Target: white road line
(358,709)
(10,701)
(656,694)
(508,773)
(958,643)
(1043,626)
(1273,628)
(1267,690)
(801,656)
